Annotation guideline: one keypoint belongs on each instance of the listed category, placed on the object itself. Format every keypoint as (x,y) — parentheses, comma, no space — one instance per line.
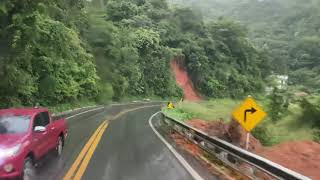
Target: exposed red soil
(190,147)
(184,81)
(300,156)
(197,152)
(231,133)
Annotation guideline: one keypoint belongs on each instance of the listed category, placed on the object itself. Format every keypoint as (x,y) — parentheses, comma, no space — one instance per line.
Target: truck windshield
(14,124)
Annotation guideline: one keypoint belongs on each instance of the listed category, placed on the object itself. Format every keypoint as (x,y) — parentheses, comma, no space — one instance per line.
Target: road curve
(129,150)
(81,127)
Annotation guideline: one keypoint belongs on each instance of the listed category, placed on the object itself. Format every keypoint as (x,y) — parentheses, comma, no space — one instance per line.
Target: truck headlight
(9,151)
(8,168)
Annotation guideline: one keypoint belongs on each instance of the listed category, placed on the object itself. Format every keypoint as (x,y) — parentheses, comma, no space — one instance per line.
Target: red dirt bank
(184,81)
(302,156)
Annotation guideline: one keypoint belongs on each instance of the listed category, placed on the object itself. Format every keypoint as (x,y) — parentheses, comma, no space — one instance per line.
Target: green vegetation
(278,104)
(63,54)
(73,105)
(43,57)
(287,31)
(284,40)
(216,109)
(291,126)
(57,52)
(311,110)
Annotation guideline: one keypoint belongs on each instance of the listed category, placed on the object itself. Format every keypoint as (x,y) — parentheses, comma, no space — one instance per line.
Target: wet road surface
(128,148)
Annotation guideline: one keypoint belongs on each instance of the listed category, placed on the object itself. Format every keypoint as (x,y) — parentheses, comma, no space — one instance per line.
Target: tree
(118,11)
(279,104)
(45,60)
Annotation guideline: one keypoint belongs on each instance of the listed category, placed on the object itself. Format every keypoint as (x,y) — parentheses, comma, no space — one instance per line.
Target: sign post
(247,140)
(249,114)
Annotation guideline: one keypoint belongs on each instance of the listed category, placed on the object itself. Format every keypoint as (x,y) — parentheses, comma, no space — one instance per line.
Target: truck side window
(41,119)
(37,121)
(45,118)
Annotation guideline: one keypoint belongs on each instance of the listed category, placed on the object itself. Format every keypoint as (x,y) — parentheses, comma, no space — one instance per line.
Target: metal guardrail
(249,164)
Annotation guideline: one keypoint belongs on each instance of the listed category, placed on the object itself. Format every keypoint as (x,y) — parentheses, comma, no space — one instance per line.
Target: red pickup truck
(26,135)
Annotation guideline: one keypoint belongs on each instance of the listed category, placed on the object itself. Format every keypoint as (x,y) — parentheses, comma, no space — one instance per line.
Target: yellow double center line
(77,170)
(86,154)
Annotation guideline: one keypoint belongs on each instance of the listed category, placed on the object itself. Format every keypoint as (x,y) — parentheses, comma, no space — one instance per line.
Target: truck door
(52,130)
(40,139)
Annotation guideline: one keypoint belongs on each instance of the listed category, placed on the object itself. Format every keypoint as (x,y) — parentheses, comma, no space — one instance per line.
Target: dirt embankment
(184,81)
(300,156)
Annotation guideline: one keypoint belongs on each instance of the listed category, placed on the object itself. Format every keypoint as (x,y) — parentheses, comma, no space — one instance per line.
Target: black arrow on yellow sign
(252,110)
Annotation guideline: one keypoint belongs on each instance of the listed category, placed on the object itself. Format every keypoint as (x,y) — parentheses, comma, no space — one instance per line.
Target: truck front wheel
(28,169)
(59,147)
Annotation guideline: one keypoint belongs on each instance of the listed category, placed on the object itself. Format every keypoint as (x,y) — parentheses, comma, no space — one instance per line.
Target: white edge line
(184,163)
(267,161)
(84,112)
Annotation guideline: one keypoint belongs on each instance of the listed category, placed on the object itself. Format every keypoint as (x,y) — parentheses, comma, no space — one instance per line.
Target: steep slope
(184,82)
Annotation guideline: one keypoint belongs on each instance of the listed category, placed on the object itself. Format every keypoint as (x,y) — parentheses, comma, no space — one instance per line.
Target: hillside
(286,30)
(57,52)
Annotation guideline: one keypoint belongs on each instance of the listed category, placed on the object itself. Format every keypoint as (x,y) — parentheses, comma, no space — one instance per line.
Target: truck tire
(28,169)
(59,147)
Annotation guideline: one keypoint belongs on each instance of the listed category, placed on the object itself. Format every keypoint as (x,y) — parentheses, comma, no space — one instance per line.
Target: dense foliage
(129,51)
(58,51)
(287,34)
(220,59)
(287,30)
(311,108)
(42,56)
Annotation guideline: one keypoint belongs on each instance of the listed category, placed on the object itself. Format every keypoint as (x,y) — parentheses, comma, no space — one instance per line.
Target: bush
(316,136)
(278,105)
(311,110)
(105,93)
(264,136)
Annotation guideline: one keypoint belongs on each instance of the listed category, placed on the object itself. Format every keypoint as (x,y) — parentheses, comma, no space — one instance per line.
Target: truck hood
(9,140)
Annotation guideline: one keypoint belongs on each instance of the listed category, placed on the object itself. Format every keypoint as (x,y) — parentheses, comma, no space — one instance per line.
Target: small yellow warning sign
(170,105)
(249,114)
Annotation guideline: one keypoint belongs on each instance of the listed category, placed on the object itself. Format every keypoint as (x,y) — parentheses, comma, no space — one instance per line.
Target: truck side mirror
(39,129)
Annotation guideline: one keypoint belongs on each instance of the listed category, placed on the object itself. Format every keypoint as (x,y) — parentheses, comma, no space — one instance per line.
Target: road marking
(184,163)
(89,155)
(83,152)
(84,112)
(88,150)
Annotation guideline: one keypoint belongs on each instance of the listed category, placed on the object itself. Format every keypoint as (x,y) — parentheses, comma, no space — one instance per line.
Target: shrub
(264,136)
(311,110)
(279,104)
(316,136)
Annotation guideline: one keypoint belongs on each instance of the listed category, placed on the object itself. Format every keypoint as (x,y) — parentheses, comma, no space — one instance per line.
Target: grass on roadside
(206,110)
(67,106)
(291,127)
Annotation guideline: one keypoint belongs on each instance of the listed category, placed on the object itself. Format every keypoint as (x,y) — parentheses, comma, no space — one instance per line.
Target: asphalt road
(128,148)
